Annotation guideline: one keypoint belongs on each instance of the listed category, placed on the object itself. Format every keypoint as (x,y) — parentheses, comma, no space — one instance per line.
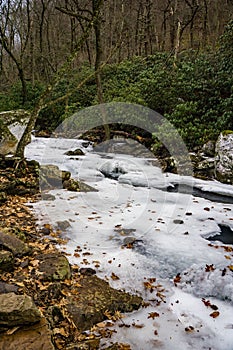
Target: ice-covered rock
(224,157)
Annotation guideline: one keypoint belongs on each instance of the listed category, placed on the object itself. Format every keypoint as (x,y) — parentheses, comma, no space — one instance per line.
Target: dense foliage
(194,93)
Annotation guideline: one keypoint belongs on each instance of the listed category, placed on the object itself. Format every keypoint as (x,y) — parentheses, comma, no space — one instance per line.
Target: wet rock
(130,241)
(86,144)
(224,157)
(55,267)
(63,225)
(178,221)
(96,297)
(52,177)
(6,261)
(36,337)
(77,152)
(48,197)
(8,288)
(16,310)
(12,243)
(77,186)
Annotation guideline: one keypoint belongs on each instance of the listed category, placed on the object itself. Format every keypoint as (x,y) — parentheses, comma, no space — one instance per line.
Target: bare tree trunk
(97,4)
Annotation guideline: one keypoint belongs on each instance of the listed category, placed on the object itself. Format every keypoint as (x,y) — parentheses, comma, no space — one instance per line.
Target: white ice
(170,231)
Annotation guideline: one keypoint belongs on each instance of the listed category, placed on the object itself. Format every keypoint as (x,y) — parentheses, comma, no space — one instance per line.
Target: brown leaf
(135,325)
(153,315)
(114,276)
(209,268)
(206,302)
(189,329)
(177,279)
(215,314)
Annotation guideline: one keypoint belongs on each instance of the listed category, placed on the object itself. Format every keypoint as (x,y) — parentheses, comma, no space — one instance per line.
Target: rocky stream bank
(45,303)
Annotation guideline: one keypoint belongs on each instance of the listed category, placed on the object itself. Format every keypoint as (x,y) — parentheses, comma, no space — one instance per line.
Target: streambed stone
(12,243)
(95,298)
(16,310)
(8,288)
(54,267)
(36,337)
(6,260)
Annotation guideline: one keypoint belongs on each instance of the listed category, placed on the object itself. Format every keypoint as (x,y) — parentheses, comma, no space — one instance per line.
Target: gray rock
(6,260)
(209,148)
(63,225)
(8,288)
(16,310)
(36,337)
(48,197)
(52,177)
(224,157)
(14,244)
(55,267)
(95,298)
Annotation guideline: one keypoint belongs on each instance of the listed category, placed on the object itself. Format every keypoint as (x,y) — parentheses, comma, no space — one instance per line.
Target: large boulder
(17,310)
(224,157)
(95,298)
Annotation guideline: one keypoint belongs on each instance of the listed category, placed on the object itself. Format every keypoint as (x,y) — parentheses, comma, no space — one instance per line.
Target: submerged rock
(224,157)
(95,298)
(16,310)
(77,152)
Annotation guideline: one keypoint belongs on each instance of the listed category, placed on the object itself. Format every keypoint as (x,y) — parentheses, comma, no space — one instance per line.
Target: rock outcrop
(95,298)
(224,157)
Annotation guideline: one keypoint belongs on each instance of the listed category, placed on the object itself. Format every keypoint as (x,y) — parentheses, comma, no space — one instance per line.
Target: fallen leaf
(230,267)
(177,279)
(189,329)
(215,314)
(153,315)
(209,268)
(135,325)
(114,276)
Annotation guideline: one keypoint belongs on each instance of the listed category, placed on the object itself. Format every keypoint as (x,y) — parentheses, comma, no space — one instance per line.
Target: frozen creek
(134,229)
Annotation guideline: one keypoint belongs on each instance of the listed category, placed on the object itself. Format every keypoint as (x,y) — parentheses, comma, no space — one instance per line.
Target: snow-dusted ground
(169,230)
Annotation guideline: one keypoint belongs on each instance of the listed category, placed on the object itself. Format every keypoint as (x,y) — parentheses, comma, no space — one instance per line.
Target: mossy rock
(54,267)
(227,132)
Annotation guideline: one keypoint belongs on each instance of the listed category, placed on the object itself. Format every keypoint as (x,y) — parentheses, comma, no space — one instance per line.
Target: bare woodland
(36,36)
